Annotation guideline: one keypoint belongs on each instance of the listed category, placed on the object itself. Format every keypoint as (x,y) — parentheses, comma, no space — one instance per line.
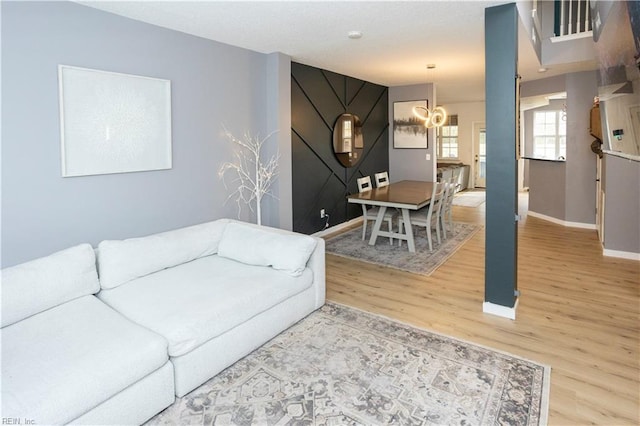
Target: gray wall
(543,86)
(278,211)
(412,163)
(526,12)
(547,188)
(581,161)
(617,44)
(620,176)
(539,204)
(212,84)
(622,198)
(580,167)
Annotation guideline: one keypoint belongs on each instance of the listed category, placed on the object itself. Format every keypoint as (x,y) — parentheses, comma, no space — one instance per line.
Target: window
(549,135)
(447,138)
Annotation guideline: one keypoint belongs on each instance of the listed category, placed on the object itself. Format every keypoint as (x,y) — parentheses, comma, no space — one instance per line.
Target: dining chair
(428,217)
(382,179)
(369,213)
(456,178)
(446,210)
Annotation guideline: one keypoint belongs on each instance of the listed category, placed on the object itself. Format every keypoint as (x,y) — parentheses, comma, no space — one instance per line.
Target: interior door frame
(475,131)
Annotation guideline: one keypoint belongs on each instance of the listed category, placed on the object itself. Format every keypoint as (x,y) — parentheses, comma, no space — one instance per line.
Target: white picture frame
(112,122)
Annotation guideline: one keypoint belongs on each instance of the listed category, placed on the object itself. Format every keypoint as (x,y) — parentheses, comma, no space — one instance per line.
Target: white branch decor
(253,177)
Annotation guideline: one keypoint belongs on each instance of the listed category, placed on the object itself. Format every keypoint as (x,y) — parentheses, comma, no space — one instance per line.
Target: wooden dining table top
(409,194)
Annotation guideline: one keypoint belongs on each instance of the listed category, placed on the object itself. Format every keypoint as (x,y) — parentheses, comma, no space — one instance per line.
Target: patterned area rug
(342,366)
(469,198)
(423,262)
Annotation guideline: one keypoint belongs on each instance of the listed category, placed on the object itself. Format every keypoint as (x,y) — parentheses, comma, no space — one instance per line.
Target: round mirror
(347,139)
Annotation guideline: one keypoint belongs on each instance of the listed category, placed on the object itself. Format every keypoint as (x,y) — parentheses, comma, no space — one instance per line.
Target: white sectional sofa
(164,314)
(68,357)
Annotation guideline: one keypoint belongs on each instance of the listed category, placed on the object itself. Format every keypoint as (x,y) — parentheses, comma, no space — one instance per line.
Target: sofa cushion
(262,247)
(194,302)
(61,363)
(120,261)
(41,284)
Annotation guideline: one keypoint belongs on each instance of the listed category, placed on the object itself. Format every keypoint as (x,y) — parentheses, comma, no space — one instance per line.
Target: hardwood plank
(578,312)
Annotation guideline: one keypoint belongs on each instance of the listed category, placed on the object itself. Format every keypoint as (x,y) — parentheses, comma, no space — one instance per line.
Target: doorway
(480,160)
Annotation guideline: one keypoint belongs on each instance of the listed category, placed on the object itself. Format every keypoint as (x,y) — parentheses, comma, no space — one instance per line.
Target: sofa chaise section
(196,301)
(67,356)
(168,312)
(215,291)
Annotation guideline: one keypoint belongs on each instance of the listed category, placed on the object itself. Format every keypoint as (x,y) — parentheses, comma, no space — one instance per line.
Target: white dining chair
(428,217)
(456,178)
(446,210)
(369,213)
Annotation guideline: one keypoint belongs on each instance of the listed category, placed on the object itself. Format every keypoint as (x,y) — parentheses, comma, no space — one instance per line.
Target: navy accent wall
(318,98)
(501,251)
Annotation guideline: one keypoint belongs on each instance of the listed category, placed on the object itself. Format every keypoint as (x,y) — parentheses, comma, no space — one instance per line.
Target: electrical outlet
(321,213)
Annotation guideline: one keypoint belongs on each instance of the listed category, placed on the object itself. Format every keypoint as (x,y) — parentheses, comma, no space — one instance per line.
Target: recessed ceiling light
(543,69)
(354,35)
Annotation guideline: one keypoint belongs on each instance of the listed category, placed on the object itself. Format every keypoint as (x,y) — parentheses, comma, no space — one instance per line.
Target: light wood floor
(578,312)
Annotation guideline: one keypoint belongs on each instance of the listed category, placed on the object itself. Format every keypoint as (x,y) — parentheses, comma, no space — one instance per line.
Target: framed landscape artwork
(408,130)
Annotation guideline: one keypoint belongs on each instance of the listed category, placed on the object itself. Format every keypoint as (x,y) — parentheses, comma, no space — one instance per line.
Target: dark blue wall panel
(318,98)
(501,57)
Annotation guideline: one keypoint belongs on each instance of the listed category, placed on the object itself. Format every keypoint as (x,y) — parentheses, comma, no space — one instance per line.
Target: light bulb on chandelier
(432,118)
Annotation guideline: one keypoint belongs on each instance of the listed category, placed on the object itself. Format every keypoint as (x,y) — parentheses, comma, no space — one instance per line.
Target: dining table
(405,195)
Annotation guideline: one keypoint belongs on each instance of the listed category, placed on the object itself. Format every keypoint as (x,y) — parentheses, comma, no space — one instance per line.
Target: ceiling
(399,38)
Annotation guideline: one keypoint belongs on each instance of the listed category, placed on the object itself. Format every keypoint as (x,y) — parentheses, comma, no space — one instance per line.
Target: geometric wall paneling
(310,178)
(338,85)
(353,89)
(319,92)
(309,126)
(318,98)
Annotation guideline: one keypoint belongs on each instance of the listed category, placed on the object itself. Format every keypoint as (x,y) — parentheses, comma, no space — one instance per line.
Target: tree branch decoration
(252,176)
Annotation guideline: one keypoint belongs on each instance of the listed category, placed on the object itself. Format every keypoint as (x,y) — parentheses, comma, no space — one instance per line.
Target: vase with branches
(252,176)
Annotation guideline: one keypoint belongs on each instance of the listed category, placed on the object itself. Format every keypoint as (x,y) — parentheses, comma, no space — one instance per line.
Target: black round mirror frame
(348,143)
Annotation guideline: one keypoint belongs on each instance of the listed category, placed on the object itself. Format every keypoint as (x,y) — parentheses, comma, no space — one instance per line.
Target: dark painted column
(501,251)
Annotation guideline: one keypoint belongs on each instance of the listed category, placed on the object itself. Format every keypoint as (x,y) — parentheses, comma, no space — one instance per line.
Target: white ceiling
(399,37)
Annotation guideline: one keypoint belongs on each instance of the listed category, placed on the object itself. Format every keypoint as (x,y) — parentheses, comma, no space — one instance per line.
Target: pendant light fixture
(432,118)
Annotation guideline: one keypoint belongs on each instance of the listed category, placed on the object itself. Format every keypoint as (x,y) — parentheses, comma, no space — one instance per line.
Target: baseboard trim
(338,227)
(499,310)
(562,222)
(621,254)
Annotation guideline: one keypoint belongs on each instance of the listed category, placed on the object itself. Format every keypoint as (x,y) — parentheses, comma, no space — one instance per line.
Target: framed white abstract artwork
(112,122)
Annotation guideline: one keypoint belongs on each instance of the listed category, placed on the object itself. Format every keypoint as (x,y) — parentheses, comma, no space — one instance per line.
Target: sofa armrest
(317,264)
(316,261)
